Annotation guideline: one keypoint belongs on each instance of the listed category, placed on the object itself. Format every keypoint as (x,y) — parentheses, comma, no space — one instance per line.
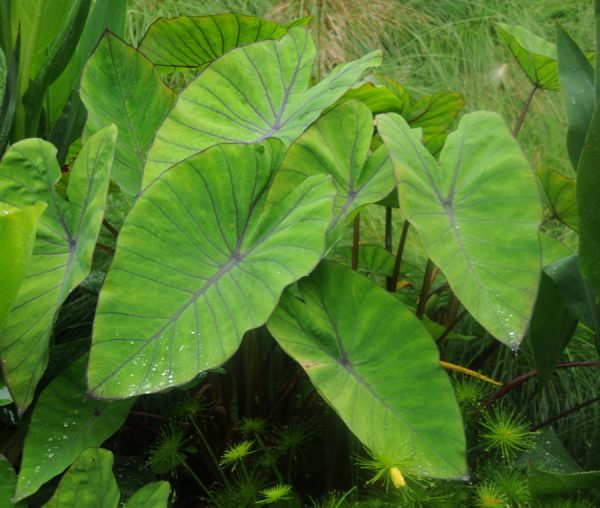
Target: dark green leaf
(588,204)
(552,326)
(577,293)
(371,259)
(8,480)
(375,364)
(10,96)
(63,424)
(249,94)
(201,260)
(577,84)
(545,483)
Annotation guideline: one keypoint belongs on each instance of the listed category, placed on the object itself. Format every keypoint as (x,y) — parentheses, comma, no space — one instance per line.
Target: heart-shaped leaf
(191,42)
(119,85)
(250,94)
(17,230)
(152,495)
(338,145)
(89,483)
(200,260)
(376,365)
(559,195)
(63,424)
(63,248)
(536,56)
(477,213)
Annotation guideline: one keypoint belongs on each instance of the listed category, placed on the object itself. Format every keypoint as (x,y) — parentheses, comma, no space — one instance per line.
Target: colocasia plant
(218,216)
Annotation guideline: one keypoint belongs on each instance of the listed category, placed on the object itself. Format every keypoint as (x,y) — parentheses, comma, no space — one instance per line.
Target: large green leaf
(560,196)
(189,43)
(588,203)
(371,259)
(17,230)
(200,260)
(376,365)
(119,85)
(576,76)
(63,248)
(338,145)
(536,56)
(477,213)
(63,424)
(89,483)
(249,94)
(152,495)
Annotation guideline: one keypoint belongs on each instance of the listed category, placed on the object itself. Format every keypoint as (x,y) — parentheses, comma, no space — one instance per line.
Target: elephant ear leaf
(250,94)
(63,424)
(536,56)
(88,483)
(337,332)
(63,249)
(180,294)
(338,145)
(477,213)
(119,85)
(191,42)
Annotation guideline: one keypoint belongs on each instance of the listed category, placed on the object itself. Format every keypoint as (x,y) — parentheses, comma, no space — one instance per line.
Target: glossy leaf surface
(152,495)
(536,56)
(17,230)
(63,248)
(477,213)
(248,95)
(191,42)
(119,85)
(338,145)
(576,76)
(180,295)
(63,424)
(337,332)
(89,483)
